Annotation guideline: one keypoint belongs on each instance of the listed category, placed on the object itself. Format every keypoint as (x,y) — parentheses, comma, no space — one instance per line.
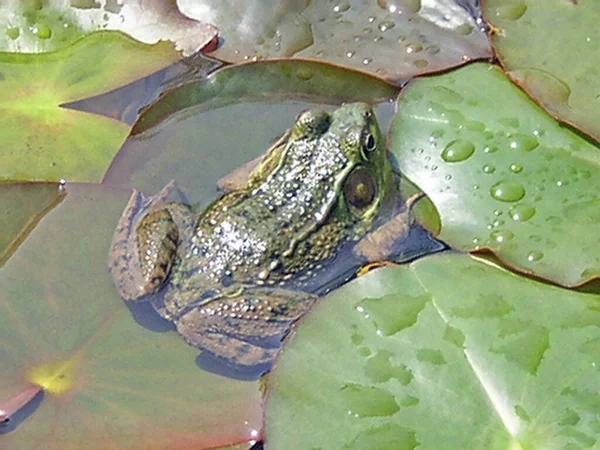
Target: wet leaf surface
(34,26)
(448,352)
(505,177)
(395,39)
(22,205)
(114,377)
(552,49)
(214,126)
(43,141)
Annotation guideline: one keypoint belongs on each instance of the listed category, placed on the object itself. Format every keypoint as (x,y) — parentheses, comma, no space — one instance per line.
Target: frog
(234,277)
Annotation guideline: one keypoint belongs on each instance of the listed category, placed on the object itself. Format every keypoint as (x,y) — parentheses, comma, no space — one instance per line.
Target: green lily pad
(43,141)
(22,206)
(396,39)
(503,174)
(445,353)
(551,48)
(113,377)
(36,26)
(202,131)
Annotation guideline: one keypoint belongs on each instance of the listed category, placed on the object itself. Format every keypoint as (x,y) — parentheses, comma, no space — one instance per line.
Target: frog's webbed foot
(379,244)
(245,330)
(145,242)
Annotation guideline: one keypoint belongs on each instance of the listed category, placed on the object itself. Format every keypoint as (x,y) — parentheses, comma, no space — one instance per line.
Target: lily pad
(503,174)
(202,131)
(23,205)
(551,48)
(396,39)
(113,377)
(448,353)
(278,80)
(42,140)
(36,26)
(124,103)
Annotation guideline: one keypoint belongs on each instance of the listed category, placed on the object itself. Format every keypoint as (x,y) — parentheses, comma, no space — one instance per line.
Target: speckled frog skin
(235,276)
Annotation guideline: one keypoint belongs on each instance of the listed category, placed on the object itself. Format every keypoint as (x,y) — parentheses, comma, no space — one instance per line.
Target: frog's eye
(369,143)
(360,188)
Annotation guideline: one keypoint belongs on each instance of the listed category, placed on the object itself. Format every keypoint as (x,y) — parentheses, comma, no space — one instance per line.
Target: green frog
(234,277)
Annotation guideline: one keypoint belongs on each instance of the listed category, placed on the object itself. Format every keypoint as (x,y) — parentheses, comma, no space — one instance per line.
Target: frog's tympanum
(234,277)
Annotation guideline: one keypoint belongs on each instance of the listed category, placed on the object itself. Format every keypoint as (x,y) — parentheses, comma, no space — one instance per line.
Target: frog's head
(328,166)
(366,183)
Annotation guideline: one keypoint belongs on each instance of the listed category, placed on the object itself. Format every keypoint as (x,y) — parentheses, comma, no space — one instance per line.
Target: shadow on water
(419,242)
(143,313)
(219,366)
(22,414)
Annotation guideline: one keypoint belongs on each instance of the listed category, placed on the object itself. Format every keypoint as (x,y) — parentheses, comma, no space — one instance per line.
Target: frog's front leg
(245,330)
(379,244)
(144,245)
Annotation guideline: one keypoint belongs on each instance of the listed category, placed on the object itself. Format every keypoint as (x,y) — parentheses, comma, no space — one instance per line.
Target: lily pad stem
(9,407)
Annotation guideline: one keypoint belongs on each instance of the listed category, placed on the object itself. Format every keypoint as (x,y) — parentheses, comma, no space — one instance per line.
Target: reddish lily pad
(503,174)
(42,140)
(113,377)
(395,39)
(551,48)
(35,26)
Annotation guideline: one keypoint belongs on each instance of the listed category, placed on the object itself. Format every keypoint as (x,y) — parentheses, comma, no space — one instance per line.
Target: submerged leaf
(277,80)
(457,353)
(113,377)
(503,174)
(23,205)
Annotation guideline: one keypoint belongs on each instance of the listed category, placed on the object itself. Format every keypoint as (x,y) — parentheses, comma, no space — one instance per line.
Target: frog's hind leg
(144,245)
(246,330)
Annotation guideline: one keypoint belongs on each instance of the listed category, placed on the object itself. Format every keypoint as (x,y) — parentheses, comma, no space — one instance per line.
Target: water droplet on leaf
(488,168)
(521,212)
(507,191)
(534,256)
(457,151)
(501,236)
